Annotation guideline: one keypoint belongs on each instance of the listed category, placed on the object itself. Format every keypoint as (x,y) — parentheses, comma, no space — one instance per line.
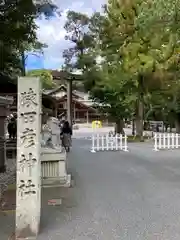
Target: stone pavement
(116,196)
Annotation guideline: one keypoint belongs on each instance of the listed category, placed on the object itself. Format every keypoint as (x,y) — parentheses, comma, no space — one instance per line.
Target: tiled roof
(52,91)
(62,75)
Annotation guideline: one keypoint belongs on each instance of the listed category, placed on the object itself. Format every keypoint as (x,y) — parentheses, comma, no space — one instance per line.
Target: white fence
(166,141)
(109,142)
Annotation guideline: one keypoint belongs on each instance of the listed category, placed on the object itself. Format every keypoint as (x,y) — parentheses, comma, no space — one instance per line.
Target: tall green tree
(99,78)
(18,32)
(82,32)
(144,41)
(18,26)
(76,27)
(139,44)
(45,76)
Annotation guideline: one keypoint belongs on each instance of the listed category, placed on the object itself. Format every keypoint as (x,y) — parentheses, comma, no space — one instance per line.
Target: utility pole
(23,59)
(73,76)
(69,101)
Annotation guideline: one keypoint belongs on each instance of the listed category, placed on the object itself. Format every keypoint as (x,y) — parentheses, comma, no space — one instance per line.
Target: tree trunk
(23,69)
(140,108)
(119,128)
(69,101)
(133,127)
(177,123)
(139,119)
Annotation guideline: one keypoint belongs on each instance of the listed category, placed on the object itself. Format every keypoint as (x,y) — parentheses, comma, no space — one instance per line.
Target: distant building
(8,88)
(59,77)
(84,109)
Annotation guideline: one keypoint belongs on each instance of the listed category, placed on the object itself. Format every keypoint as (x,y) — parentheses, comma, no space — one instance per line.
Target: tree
(76,28)
(45,76)
(111,90)
(138,42)
(82,33)
(17,24)
(107,81)
(85,32)
(135,36)
(17,21)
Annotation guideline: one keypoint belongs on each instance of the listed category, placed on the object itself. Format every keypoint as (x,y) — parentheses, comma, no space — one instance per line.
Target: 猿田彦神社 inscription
(29,117)
(26,188)
(28,98)
(28,137)
(27,161)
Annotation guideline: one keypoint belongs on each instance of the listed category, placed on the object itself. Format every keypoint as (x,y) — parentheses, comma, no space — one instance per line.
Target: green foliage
(18,32)
(18,26)
(138,42)
(76,28)
(82,32)
(45,76)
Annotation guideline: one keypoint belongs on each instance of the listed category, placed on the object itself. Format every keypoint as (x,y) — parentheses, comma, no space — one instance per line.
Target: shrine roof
(55,90)
(64,75)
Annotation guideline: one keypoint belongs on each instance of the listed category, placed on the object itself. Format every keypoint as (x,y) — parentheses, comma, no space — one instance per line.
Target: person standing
(65,135)
(12,128)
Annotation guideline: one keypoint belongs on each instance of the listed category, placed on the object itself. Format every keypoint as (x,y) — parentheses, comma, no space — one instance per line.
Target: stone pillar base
(54,169)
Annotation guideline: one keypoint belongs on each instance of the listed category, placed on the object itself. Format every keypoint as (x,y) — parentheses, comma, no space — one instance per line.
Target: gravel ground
(9,177)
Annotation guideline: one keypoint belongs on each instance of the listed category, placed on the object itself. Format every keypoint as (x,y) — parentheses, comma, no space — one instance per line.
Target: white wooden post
(93,144)
(112,141)
(102,142)
(28,189)
(164,140)
(155,142)
(168,140)
(116,141)
(172,141)
(125,144)
(98,142)
(160,141)
(107,142)
(121,139)
(177,140)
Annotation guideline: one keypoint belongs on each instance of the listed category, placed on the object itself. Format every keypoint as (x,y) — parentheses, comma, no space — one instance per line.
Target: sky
(52,33)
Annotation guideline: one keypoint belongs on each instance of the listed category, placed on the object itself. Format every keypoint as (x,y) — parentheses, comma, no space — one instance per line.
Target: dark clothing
(12,128)
(66,130)
(62,123)
(66,133)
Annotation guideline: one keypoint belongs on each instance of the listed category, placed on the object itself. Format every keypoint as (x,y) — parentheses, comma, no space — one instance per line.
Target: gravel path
(9,177)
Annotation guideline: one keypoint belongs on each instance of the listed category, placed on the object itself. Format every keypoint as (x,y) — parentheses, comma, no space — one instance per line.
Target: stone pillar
(28,189)
(4,102)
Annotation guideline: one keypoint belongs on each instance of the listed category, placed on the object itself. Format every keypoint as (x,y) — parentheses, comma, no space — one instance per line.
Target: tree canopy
(45,76)
(18,32)
(138,44)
